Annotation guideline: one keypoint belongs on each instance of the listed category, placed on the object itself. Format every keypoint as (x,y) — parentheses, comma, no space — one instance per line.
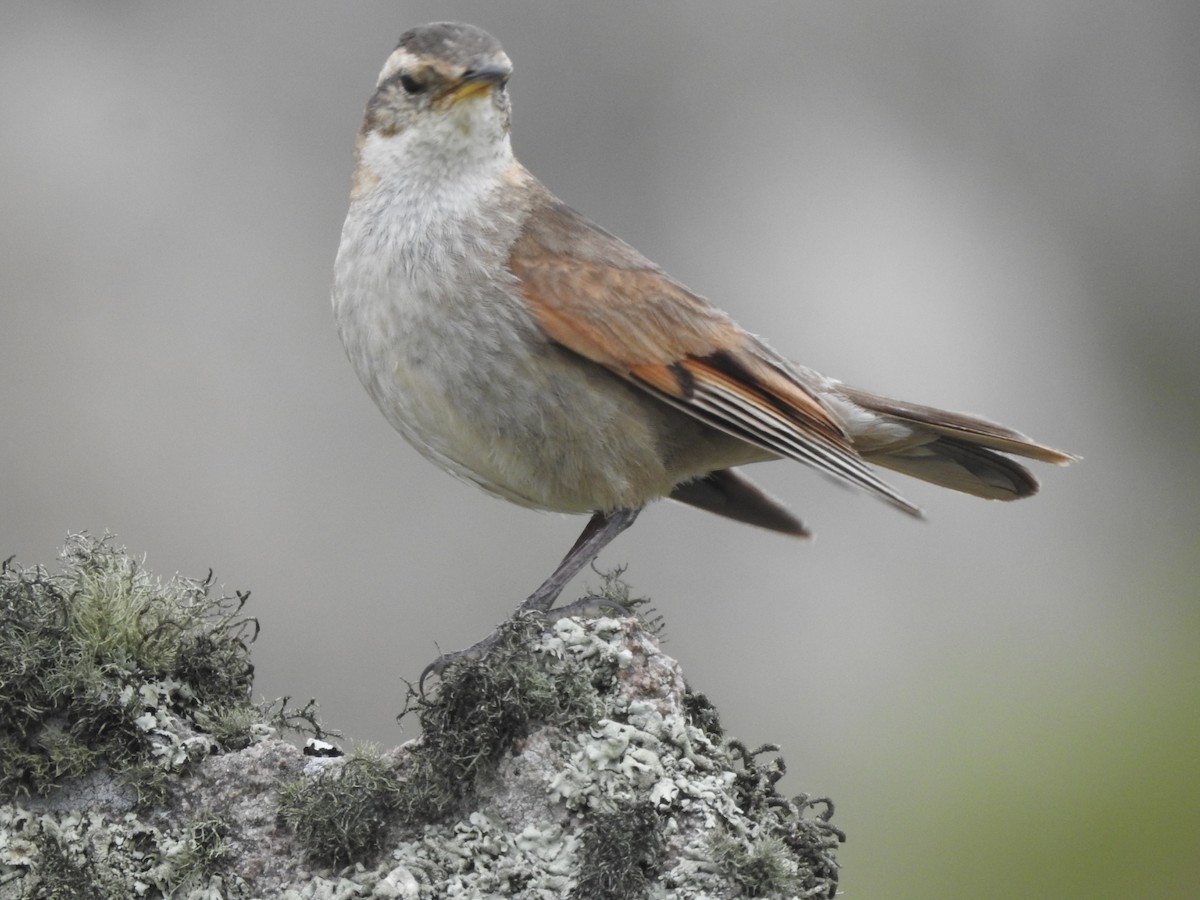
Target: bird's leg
(597,534)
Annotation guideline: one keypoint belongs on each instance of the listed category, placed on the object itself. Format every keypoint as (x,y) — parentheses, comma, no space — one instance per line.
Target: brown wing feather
(600,298)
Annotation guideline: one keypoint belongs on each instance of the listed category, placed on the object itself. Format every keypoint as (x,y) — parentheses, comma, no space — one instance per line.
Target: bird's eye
(410,84)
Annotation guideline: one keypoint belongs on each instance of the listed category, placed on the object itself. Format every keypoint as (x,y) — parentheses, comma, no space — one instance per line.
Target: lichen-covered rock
(570,761)
(619,786)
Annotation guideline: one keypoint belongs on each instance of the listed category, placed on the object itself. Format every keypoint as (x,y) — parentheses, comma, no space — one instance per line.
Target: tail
(960,452)
(952,450)
(729,493)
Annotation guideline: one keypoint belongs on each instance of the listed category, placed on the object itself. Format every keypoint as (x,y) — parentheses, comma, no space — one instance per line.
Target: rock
(571,761)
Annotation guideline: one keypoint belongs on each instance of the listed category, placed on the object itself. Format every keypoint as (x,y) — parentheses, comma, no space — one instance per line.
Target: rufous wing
(598,297)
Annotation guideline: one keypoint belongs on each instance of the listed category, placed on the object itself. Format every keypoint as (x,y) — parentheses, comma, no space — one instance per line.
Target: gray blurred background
(989,206)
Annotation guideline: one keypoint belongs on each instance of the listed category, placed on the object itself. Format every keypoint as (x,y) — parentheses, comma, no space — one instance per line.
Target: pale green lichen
(87,854)
(112,683)
(103,665)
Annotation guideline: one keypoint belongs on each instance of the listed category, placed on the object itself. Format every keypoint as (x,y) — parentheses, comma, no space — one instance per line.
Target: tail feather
(961,466)
(967,429)
(960,452)
(953,450)
(729,493)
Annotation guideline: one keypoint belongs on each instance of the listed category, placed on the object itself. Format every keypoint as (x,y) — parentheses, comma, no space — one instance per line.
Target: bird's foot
(600,530)
(480,649)
(587,604)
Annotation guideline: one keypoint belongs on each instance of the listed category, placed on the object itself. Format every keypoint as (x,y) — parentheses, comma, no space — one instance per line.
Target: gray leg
(597,534)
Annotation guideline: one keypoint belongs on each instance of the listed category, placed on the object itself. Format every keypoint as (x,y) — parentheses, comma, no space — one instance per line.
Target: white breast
(420,302)
(444,342)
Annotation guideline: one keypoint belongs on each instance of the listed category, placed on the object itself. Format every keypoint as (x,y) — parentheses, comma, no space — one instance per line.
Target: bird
(523,348)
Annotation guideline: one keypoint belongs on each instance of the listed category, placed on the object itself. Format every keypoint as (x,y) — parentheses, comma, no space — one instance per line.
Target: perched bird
(531,352)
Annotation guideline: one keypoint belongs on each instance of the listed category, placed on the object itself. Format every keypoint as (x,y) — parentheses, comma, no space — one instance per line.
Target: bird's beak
(476,81)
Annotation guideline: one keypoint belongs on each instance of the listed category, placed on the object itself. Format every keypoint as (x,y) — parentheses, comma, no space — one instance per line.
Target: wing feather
(598,297)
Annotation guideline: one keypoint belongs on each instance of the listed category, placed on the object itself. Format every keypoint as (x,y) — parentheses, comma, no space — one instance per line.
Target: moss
(103,665)
(480,707)
(791,849)
(620,853)
(703,715)
(344,813)
(760,867)
(483,705)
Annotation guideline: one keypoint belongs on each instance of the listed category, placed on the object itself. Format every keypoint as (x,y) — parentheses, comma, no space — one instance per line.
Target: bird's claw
(478,650)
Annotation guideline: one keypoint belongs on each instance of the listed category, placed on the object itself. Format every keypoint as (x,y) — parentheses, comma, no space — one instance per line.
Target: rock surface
(571,761)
